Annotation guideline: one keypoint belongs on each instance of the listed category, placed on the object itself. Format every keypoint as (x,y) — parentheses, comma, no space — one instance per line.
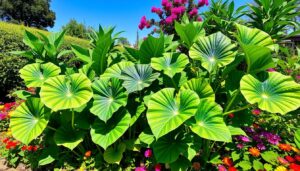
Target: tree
(123,41)
(76,29)
(33,13)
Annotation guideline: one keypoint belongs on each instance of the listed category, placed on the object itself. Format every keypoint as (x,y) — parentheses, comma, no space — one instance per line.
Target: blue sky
(125,15)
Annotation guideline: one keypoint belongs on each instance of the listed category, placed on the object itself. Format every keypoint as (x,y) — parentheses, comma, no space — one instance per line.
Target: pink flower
(256,112)
(193,12)
(177,1)
(298,77)
(199,19)
(171,18)
(141,168)
(148,153)
(164,2)
(201,3)
(178,10)
(282,161)
(156,10)
(2,116)
(143,23)
(157,167)
(221,168)
(168,6)
(271,70)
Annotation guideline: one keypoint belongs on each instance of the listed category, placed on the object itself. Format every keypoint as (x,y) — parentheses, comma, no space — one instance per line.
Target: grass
(19,31)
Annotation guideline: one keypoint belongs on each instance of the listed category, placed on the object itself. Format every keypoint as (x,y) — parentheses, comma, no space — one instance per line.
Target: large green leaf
(35,74)
(115,70)
(213,51)
(151,47)
(33,41)
(29,120)
(114,154)
(297,138)
(66,92)
(277,94)
(258,58)
(168,148)
(166,112)
(254,36)
(105,134)
(138,77)
(68,137)
(209,123)
(170,64)
(109,96)
(201,87)
(189,32)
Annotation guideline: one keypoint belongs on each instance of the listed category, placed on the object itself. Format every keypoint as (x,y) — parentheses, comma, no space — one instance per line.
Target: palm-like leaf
(213,51)
(66,92)
(36,74)
(109,96)
(277,94)
(138,77)
(29,120)
(171,63)
(166,112)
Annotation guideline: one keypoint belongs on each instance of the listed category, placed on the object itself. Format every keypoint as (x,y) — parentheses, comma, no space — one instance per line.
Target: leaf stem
(50,127)
(175,86)
(239,109)
(73,118)
(232,99)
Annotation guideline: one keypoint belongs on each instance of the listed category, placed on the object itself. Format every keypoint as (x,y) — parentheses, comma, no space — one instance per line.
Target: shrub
(163,108)
(11,40)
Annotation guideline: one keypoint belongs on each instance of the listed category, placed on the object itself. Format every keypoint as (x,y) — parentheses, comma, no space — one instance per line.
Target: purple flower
(261,146)
(244,139)
(148,153)
(240,146)
(273,139)
(141,168)
(249,130)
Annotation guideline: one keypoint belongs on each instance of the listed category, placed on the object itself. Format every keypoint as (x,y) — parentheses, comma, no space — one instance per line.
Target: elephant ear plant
(122,99)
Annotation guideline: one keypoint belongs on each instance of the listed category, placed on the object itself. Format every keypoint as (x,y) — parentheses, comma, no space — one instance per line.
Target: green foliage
(76,29)
(32,13)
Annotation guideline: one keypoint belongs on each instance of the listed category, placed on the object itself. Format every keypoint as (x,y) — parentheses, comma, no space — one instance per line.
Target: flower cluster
(288,161)
(5,109)
(10,144)
(227,163)
(148,154)
(172,10)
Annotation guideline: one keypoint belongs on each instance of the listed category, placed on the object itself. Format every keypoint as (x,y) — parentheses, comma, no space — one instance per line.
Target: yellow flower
(8,133)
(1,107)
(281,168)
(296,150)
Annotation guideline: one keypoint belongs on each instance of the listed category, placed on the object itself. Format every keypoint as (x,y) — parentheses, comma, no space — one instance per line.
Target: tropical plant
(274,16)
(177,104)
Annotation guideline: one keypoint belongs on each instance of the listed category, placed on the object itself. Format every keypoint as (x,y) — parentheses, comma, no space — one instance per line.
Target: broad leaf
(29,120)
(254,36)
(114,155)
(105,134)
(277,94)
(138,77)
(33,41)
(209,123)
(66,92)
(36,74)
(258,58)
(236,131)
(109,96)
(166,112)
(201,87)
(168,148)
(189,32)
(68,137)
(82,54)
(151,47)
(270,157)
(170,64)
(181,164)
(115,70)
(213,51)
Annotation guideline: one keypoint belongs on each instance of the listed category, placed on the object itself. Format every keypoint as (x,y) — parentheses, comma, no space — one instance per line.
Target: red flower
(196,166)
(227,161)
(232,169)
(282,161)
(148,153)
(35,148)
(256,112)
(290,159)
(294,167)
(231,115)
(24,148)
(30,148)
(5,140)
(11,144)
(157,167)
(88,153)
(297,157)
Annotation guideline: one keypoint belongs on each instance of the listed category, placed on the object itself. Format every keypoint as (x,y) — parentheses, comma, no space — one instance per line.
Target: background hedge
(11,36)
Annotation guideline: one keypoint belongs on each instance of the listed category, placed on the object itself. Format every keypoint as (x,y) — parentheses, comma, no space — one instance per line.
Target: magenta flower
(298,77)
(164,2)
(193,12)
(141,168)
(256,111)
(148,153)
(157,167)
(244,138)
(156,10)
(261,146)
(2,116)
(222,168)
(240,146)
(178,10)
(271,70)
(201,3)
(143,23)
(177,1)
(171,18)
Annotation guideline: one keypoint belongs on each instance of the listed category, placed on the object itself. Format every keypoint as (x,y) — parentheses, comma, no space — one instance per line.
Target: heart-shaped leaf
(151,47)
(138,77)
(166,112)
(209,123)
(201,87)
(115,70)
(36,74)
(168,148)
(170,64)
(114,155)
(258,58)
(105,134)
(68,137)
(109,96)
(66,92)
(254,36)
(213,51)
(277,94)
(29,120)
(189,32)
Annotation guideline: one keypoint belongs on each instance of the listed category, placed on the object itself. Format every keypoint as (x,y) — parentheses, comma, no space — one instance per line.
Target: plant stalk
(239,109)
